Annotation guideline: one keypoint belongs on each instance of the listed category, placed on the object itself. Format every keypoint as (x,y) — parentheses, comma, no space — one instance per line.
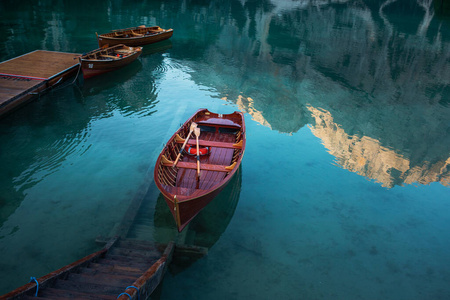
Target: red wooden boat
(108,59)
(136,36)
(189,181)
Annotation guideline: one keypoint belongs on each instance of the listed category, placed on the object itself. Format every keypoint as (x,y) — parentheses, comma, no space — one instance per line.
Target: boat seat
(206,167)
(204,143)
(109,56)
(219,122)
(136,34)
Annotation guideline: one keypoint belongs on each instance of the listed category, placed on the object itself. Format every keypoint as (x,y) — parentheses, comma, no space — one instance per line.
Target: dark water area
(343,192)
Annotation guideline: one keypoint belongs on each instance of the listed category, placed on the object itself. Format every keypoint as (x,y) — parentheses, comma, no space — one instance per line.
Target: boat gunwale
(133,51)
(214,190)
(189,121)
(134,38)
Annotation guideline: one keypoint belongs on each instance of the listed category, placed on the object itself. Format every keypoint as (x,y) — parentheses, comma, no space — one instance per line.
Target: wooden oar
(193,126)
(197,134)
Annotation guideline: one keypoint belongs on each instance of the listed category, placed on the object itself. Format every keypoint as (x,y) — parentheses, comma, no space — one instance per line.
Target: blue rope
(133,287)
(124,294)
(37,285)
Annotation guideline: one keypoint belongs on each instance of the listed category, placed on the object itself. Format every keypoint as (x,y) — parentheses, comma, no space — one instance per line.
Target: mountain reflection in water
(367,157)
(387,90)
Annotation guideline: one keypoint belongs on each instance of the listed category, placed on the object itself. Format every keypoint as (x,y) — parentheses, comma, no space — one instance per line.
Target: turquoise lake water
(343,192)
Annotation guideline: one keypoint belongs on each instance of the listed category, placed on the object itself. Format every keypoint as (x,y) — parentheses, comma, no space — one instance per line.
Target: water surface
(344,188)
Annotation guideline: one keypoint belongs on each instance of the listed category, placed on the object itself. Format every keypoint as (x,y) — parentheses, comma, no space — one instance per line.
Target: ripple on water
(49,158)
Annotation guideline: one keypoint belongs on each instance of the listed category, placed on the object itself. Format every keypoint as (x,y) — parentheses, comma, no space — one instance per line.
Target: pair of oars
(196,131)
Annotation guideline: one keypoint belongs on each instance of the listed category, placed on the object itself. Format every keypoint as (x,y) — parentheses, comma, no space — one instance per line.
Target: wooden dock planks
(40,64)
(11,87)
(24,77)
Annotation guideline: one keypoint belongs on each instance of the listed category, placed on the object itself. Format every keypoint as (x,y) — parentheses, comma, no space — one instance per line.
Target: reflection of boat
(136,36)
(108,59)
(209,224)
(204,230)
(157,47)
(97,84)
(186,189)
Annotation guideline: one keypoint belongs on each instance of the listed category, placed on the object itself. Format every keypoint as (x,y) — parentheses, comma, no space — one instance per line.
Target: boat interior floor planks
(217,156)
(188,182)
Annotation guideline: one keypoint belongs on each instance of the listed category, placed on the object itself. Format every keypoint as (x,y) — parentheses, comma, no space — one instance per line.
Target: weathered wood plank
(147,254)
(95,268)
(205,143)
(40,63)
(23,77)
(52,293)
(98,278)
(88,287)
(120,262)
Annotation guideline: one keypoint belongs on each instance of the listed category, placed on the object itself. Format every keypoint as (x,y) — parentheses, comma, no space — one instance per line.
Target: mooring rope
(129,296)
(123,294)
(37,285)
(65,85)
(133,287)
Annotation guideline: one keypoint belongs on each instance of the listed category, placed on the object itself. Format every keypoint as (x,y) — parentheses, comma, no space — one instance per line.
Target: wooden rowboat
(189,182)
(136,36)
(108,59)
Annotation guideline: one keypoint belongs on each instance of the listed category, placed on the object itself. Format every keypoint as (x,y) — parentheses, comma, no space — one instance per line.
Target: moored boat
(189,181)
(135,36)
(108,59)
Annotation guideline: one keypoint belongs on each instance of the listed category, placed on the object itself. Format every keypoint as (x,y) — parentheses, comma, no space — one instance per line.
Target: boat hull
(155,34)
(190,208)
(108,59)
(185,193)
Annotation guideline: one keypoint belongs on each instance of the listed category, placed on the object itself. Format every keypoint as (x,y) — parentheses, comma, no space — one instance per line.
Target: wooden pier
(123,269)
(25,77)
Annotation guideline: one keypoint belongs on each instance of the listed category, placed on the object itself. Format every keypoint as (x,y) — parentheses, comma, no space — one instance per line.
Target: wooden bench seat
(109,56)
(193,165)
(136,34)
(219,122)
(206,167)
(203,143)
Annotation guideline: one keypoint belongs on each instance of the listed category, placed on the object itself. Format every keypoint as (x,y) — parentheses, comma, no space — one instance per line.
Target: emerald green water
(344,188)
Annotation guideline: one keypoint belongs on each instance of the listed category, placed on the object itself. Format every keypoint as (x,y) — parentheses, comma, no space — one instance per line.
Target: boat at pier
(107,59)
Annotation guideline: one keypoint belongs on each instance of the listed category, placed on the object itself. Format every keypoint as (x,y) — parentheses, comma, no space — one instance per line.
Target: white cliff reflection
(367,157)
